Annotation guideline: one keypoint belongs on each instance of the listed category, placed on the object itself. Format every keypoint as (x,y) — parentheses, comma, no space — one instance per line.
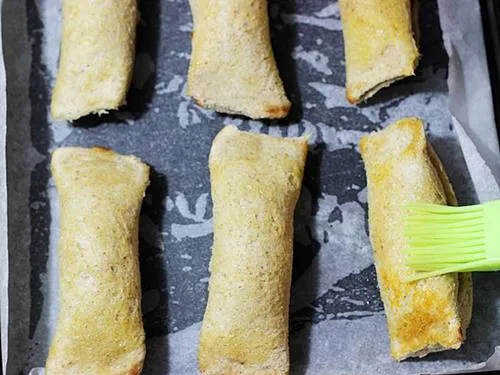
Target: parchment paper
(471,106)
(337,321)
(470,92)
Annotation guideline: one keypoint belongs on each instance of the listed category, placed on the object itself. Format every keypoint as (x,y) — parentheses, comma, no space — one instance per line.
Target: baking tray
(168,131)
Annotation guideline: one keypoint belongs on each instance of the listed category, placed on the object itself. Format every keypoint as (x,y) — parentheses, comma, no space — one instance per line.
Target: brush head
(444,239)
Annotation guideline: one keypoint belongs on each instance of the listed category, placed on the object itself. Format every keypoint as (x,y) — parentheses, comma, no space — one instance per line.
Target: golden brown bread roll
(232,67)
(256,180)
(428,315)
(97,57)
(379,44)
(99,328)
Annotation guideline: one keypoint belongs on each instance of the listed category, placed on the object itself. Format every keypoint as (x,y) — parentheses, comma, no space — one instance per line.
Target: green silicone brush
(444,239)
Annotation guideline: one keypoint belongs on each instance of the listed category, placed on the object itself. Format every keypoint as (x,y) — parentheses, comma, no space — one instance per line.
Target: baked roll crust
(99,328)
(379,44)
(256,181)
(232,67)
(97,57)
(428,315)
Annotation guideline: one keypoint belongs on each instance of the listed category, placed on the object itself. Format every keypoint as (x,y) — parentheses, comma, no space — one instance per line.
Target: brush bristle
(443,237)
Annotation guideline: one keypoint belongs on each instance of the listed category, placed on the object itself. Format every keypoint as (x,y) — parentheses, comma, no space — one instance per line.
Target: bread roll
(232,67)
(99,328)
(97,57)
(428,315)
(379,44)
(256,180)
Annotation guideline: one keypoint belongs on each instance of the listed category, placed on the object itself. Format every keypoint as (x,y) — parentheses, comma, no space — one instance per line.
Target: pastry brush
(444,239)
